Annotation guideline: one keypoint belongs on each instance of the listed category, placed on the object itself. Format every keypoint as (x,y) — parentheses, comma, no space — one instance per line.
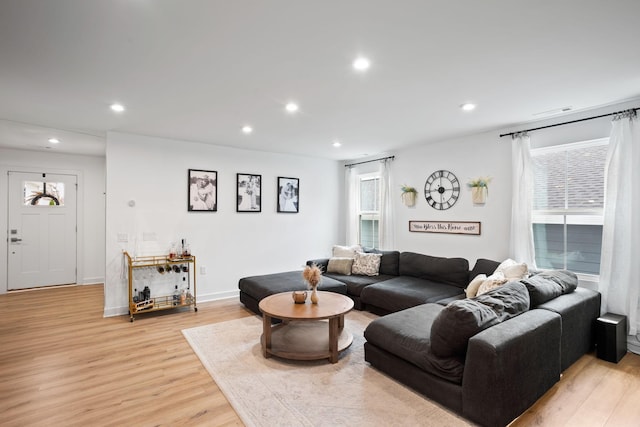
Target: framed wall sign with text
(447,227)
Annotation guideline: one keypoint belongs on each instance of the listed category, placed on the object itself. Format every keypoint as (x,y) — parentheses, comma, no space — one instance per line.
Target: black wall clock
(442,190)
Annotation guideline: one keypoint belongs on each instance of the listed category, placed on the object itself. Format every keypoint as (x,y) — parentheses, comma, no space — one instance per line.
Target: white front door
(42,230)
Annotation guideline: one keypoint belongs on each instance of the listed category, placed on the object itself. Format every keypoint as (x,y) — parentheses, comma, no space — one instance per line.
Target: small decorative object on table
(408,195)
(312,275)
(299,297)
(479,189)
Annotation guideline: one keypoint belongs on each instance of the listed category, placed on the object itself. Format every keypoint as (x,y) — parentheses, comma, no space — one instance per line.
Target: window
(568,204)
(43,193)
(369,210)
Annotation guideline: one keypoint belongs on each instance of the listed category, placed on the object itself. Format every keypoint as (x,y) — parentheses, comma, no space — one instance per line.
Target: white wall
(468,158)
(153,172)
(91,204)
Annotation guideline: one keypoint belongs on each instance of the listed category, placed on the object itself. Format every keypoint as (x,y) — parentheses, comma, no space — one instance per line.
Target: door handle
(15,240)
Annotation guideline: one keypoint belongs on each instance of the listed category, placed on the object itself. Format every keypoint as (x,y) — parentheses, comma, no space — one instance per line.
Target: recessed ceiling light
(118,108)
(468,106)
(54,140)
(291,107)
(337,144)
(247,129)
(361,64)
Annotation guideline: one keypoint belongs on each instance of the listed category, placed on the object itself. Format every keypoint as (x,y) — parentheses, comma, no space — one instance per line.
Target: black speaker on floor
(611,337)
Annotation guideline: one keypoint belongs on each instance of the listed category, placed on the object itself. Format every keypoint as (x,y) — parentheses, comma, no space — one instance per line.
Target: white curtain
(620,260)
(521,246)
(351,204)
(386,230)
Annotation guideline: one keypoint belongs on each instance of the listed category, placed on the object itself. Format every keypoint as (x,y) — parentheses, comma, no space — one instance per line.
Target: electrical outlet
(203,270)
(149,237)
(123,237)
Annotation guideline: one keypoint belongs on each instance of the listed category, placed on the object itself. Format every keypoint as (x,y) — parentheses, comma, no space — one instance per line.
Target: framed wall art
(248,192)
(202,191)
(288,191)
(448,227)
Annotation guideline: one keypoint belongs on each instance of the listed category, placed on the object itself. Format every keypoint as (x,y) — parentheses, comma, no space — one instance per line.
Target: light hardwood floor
(63,364)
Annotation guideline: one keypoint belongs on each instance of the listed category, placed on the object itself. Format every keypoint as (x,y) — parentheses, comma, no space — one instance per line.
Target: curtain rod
(369,161)
(569,122)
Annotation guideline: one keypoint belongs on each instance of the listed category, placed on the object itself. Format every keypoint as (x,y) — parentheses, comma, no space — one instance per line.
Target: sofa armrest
(509,366)
(320,262)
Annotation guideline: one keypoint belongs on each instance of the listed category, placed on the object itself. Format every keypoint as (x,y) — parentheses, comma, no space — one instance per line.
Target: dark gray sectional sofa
(487,358)
(408,279)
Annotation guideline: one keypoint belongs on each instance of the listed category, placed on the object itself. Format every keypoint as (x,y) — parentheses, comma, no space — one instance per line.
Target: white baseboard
(121,311)
(116,311)
(217,296)
(92,281)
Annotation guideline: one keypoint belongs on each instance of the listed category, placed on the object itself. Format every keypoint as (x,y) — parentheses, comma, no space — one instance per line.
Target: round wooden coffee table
(302,335)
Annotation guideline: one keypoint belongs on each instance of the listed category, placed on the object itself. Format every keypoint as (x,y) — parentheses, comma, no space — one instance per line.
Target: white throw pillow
(517,271)
(504,264)
(512,269)
(340,265)
(473,287)
(346,251)
(366,264)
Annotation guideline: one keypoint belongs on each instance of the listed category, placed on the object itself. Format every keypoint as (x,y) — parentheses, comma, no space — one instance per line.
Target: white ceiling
(200,70)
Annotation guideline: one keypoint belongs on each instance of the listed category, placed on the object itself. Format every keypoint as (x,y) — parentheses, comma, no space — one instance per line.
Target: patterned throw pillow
(492,282)
(366,264)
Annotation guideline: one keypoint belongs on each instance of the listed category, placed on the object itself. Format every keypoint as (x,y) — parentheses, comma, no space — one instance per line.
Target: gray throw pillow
(547,285)
(339,265)
(462,319)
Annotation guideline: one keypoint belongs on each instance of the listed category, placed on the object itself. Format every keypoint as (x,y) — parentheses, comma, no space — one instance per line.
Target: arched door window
(43,193)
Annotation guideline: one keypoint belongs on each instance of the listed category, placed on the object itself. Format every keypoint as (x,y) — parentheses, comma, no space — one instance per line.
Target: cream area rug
(277,392)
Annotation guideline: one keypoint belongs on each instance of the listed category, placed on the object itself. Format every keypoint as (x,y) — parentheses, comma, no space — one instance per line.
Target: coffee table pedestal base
(306,340)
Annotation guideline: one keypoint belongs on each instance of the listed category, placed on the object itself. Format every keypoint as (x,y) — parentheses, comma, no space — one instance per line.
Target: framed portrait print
(203,191)
(288,191)
(249,189)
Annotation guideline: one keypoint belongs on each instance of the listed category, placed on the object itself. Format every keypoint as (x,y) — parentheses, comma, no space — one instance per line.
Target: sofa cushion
(451,271)
(405,334)
(259,287)
(460,320)
(366,264)
(389,263)
(547,285)
(356,283)
(483,266)
(340,265)
(405,291)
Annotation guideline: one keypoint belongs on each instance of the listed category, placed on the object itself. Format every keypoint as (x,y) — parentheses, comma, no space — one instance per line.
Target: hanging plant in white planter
(408,195)
(479,189)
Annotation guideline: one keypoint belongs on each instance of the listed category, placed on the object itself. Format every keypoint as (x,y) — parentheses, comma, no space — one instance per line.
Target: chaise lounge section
(501,356)
(255,288)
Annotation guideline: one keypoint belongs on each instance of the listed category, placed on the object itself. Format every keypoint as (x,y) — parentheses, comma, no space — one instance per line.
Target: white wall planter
(409,198)
(479,195)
